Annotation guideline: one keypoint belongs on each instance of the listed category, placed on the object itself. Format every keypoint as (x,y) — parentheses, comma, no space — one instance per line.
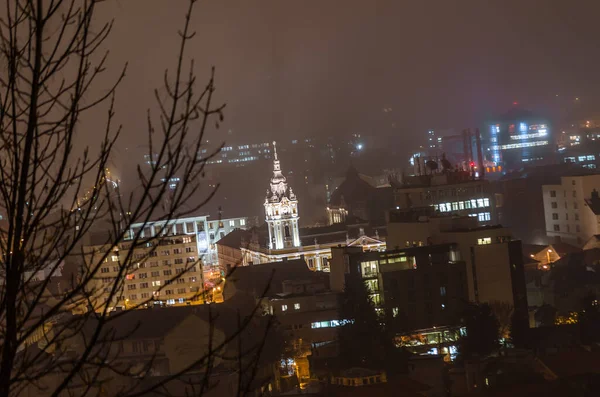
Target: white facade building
(567,209)
(285,241)
(281,210)
(206,232)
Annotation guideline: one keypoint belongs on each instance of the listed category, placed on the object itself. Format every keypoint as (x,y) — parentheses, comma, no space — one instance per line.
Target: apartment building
(456,193)
(206,232)
(569,208)
(446,261)
(157,271)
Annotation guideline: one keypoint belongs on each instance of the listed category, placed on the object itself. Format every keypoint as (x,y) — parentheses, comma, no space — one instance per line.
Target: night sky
(291,68)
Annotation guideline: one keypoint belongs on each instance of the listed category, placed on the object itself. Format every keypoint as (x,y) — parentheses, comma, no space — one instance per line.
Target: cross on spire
(275,149)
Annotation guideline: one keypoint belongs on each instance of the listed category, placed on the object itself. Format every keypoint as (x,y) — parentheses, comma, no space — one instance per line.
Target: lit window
(482,241)
(296,306)
(114,258)
(232,223)
(480,203)
(242,222)
(486,202)
(283,308)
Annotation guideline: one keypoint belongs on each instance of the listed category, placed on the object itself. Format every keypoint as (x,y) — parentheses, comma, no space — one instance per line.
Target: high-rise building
(432,142)
(519,138)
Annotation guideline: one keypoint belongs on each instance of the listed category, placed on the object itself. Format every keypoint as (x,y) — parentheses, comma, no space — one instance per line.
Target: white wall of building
(566,213)
(207,232)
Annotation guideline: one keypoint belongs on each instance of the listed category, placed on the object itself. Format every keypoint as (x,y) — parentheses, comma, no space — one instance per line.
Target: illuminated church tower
(281,210)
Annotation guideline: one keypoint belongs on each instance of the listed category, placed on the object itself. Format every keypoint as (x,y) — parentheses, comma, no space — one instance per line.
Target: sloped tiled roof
(154,323)
(564,248)
(234,239)
(255,280)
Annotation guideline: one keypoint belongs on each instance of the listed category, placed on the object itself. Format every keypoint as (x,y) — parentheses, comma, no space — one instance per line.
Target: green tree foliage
(519,330)
(504,313)
(589,319)
(363,340)
(546,315)
(482,331)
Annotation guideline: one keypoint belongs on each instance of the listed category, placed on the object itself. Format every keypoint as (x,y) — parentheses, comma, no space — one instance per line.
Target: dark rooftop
(268,278)
(235,238)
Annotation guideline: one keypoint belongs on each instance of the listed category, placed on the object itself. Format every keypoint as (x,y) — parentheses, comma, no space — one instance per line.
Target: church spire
(281,209)
(279,185)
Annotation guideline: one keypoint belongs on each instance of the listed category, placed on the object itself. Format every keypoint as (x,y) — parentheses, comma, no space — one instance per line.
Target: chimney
(479,154)
(466,148)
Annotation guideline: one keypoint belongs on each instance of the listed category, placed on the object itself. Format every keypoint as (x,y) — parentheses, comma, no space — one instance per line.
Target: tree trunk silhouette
(50,61)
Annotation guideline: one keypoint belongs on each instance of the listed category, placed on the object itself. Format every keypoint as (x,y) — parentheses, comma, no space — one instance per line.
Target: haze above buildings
(294,69)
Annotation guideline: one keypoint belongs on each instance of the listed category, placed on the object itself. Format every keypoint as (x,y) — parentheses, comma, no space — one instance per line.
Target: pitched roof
(401,386)
(256,280)
(594,205)
(353,188)
(570,363)
(564,248)
(532,249)
(154,323)
(235,238)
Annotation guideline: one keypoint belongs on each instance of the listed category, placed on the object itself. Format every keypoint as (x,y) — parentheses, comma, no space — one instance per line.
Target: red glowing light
(515,103)
(472,164)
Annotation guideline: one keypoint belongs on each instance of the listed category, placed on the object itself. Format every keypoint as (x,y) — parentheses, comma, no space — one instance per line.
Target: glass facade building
(519,138)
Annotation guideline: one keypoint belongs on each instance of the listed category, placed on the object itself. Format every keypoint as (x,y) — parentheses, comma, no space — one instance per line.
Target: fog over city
(291,69)
(334,198)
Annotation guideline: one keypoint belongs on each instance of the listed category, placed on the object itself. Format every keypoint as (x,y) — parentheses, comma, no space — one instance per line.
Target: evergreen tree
(362,339)
(589,319)
(482,331)
(519,330)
